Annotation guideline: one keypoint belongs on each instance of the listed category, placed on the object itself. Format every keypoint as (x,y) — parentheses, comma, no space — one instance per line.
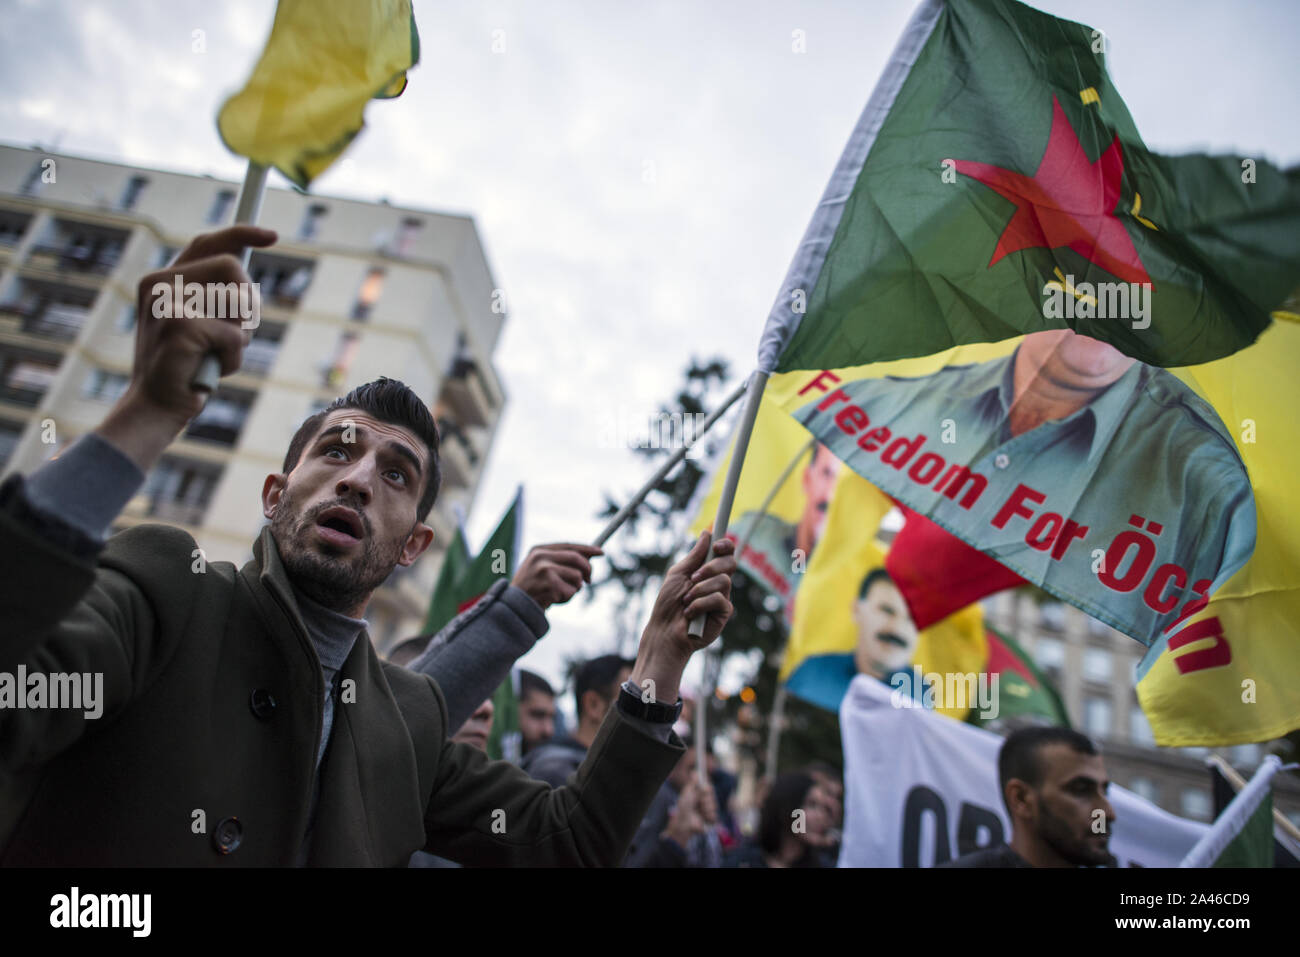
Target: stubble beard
(1079,852)
(334,580)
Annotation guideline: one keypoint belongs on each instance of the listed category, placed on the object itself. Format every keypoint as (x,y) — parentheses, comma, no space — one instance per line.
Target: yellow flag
(1231,674)
(833,627)
(812,548)
(324,60)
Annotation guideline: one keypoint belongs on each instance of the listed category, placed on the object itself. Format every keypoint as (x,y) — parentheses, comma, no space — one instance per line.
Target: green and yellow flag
(324,60)
(1016,320)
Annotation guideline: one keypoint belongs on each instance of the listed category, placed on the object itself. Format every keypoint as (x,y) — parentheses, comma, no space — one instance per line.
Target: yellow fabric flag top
(305,100)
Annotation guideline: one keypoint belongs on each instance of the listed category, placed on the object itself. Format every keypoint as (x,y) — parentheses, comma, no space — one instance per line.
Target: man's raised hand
(170,341)
(552,574)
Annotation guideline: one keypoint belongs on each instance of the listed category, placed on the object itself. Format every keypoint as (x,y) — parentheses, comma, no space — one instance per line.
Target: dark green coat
(191,662)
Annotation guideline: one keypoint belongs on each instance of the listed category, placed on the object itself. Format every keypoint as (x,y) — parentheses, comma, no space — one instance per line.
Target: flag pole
(744,429)
(1233,818)
(712,664)
(743,540)
(247,210)
(635,501)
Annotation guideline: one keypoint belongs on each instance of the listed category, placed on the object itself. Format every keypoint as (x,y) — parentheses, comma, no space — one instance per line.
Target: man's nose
(358,480)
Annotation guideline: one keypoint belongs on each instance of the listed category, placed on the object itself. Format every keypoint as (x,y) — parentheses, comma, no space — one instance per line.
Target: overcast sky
(640,173)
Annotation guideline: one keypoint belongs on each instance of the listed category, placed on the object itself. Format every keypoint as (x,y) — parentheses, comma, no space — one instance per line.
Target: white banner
(917,786)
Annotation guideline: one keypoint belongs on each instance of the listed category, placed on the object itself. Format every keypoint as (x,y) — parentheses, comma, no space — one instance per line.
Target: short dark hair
(873,576)
(1019,757)
(599,675)
(787,795)
(530,683)
(391,401)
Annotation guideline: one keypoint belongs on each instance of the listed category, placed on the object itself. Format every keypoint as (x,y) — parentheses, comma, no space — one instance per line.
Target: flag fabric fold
(305,99)
(1057,349)
(1242,836)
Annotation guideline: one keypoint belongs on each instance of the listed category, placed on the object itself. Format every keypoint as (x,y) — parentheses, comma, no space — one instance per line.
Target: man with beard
(245,718)
(782,546)
(887,639)
(1054,787)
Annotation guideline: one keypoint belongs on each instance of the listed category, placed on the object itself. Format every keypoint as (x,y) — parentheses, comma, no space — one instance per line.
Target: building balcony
(456,455)
(76,258)
(259,356)
(178,513)
(467,394)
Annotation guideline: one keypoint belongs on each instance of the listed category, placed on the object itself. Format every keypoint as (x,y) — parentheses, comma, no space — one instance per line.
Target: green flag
(1242,835)
(461,583)
(1023,688)
(995,166)
(463,580)
(443,604)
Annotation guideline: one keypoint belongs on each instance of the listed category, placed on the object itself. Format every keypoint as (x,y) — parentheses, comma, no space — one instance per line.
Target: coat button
(262,704)
(227,835)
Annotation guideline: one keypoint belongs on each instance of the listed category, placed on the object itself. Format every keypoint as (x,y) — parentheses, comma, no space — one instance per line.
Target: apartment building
(352,291)
(1094,668)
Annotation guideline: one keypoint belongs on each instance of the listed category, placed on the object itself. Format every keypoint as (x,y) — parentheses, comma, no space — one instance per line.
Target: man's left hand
(552,574)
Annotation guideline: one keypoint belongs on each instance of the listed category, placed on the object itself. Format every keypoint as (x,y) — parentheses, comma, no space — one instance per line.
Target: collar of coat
(370,744)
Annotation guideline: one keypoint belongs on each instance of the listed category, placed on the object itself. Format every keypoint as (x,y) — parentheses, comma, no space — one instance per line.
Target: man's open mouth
(340,526)
(891,639)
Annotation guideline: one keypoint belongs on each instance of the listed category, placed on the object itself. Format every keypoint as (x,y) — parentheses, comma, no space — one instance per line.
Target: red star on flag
(1067,202)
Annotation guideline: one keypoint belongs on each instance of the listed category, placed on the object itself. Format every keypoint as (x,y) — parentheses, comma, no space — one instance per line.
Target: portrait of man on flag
(1062,441)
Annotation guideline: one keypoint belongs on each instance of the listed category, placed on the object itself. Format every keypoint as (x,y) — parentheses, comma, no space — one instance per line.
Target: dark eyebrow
(406,453)
(396,447)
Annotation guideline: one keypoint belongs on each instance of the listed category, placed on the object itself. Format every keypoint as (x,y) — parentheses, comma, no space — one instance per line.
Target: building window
(1196,804)
(282,280)
(222,417)
(371,287)
(1139,728)
(12,227)
(1050,654)
(407,234)
(179,490)
(311,221)
(1096,716)
(104,386)
(134,187)
(260,354)
(164,256)
(1051,615)
(25,380)
(1097,664)
(221,204)
(337,370)
(1146,789)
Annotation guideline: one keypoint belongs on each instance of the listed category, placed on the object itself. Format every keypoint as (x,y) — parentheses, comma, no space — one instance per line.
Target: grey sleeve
(473,654)
(83,489)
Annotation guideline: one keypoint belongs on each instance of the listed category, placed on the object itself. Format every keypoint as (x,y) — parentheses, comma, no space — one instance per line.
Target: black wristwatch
(632,703)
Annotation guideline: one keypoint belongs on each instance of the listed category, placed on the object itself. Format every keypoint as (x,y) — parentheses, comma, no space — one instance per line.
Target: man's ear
(421,537)
(1019,799)
(592,703)
(272,492)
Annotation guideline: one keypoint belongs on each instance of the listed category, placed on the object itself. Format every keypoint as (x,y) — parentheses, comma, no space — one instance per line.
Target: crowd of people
(248,720)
